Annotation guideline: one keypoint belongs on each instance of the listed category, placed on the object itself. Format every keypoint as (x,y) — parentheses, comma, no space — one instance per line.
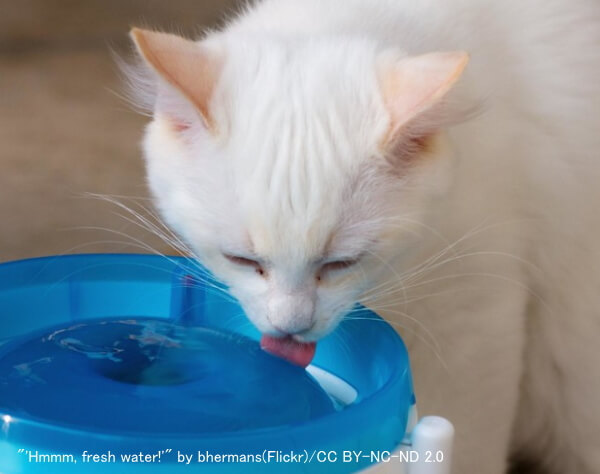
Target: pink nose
(295,326)
(291,314)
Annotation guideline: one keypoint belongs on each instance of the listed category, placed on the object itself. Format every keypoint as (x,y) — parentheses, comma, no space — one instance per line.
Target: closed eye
(339,264)
(245,262)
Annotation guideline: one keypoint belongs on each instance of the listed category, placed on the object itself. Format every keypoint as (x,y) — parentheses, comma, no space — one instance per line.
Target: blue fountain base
(132,354)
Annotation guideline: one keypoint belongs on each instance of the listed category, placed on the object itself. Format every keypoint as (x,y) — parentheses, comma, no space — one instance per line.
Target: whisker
(406,328)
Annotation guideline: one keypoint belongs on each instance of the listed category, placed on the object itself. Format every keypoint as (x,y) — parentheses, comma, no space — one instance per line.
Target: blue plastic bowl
(226,397)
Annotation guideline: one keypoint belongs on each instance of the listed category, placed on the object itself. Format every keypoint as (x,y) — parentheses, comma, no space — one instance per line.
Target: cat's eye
(336,265)
(339,264)
(246,262)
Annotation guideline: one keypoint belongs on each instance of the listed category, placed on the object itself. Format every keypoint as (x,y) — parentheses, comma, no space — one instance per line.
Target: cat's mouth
(288,348)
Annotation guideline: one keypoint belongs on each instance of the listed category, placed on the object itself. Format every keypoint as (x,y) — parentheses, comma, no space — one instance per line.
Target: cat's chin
(288,348)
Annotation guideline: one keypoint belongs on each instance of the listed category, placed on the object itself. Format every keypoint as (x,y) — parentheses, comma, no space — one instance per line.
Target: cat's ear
(411,86)
(185,65)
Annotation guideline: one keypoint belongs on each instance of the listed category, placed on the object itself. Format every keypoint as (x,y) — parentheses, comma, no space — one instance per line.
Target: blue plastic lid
(94,356)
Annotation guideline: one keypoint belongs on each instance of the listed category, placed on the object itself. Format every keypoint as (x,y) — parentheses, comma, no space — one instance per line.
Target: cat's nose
(298,327)
(291,314)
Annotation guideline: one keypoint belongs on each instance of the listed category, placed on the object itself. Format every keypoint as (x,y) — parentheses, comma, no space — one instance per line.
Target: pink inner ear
(413,85)
(186,65)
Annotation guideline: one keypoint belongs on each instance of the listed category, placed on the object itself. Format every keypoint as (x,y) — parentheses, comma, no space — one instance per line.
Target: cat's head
(294,169)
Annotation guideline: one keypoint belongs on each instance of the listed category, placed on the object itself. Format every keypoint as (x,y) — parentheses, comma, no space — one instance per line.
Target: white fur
(484,253)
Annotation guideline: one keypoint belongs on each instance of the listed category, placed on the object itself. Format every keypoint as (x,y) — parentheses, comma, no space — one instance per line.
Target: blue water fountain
(137,355)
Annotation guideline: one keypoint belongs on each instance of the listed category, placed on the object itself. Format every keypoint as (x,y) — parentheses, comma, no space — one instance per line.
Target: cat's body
(503,276)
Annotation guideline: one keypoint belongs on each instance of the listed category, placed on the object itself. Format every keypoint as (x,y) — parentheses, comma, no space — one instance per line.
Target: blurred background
(66,133)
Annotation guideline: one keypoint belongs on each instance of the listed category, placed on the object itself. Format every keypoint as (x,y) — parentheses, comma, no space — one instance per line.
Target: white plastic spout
(432,438)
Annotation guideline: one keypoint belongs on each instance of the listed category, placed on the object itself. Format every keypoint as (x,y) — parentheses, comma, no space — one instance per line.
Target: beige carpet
(64,131)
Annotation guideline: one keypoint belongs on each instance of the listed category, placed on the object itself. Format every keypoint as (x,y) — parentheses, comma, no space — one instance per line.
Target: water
(153,375)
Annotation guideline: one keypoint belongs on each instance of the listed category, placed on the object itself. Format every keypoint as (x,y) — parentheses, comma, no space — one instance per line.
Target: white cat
(315,153)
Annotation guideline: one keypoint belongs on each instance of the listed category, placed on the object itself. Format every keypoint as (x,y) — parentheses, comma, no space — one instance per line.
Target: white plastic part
(432,439)
(426,450)
(333,385)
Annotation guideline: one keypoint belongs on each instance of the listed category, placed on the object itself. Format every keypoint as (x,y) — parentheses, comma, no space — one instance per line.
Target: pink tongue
(299,353)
